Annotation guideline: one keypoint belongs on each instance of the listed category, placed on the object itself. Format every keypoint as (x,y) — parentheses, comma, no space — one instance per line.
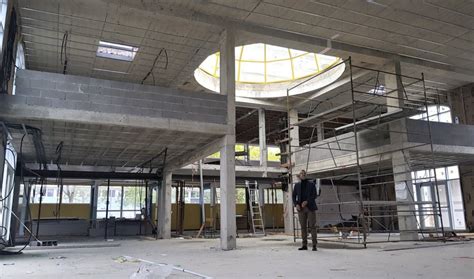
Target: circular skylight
(266,71)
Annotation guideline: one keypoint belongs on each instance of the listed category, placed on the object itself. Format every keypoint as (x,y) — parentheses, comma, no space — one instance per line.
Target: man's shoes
(303,248)
(314,248)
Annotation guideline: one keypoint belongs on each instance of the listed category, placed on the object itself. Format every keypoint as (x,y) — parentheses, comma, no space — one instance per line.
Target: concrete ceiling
(431,31)
(106,145)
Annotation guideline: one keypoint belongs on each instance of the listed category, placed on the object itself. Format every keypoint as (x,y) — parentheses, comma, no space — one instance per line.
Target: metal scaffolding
(361,133)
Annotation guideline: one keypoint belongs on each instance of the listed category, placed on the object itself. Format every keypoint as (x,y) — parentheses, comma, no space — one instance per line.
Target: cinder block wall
(89,94)
(462,107)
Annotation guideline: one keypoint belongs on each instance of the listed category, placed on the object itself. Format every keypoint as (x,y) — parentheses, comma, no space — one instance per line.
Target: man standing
(304,199)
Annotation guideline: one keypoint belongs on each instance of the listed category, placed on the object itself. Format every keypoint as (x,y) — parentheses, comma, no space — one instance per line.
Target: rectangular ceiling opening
(116,51)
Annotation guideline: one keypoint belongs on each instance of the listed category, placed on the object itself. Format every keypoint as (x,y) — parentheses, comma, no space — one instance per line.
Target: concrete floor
(270,257)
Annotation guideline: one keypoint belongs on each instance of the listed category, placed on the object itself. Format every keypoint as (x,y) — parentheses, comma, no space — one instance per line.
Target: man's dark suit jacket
(310,194)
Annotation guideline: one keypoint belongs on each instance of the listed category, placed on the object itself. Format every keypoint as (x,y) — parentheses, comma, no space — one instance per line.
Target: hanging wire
(162,51)
(63,56)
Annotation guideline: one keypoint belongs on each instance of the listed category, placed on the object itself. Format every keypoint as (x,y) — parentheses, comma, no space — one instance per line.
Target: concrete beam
(13,107)
(198,154)
(259,103)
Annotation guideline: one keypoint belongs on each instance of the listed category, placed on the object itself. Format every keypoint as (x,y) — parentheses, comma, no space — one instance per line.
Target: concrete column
(247,150)
(227,162)
(164,207)
(262,139)
(94,199)
(93,225)
(392,83)
(287,197)
(320,132)
(401,169)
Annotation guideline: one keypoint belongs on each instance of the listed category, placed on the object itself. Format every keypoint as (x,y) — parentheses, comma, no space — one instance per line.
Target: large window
(124,201)
(192,195)
(71,194)
(254,151)
(273,196)
(448,190)
(448,181)
(436,114)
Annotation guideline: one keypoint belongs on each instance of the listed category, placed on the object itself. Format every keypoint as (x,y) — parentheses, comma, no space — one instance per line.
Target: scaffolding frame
(374,108)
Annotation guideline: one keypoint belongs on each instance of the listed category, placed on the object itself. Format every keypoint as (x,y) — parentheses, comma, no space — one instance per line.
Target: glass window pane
(253,52)
(272,151)
(76,194)
(453,172)
(325,61)
(252,72)
(276,53)
(304,65)
(193,195)
(115,197)
(133,198)
(457,205)
(445,117)
(209,64)
(218,195)
(295,52)
(254,152)
(441,173)
(279,71)
(173,194)
(240,195)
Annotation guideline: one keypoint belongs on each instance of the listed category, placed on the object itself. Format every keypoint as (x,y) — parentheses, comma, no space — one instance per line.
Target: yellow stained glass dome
(266,71)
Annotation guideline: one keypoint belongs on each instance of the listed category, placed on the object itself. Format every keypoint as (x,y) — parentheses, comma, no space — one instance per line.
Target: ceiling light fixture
(116,51)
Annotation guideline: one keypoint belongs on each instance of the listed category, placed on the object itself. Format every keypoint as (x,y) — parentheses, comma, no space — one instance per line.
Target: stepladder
(255,208)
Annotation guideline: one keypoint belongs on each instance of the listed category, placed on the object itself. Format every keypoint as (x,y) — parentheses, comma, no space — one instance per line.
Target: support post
(107,210)
(287,197)
(227,161)
(320,131)
(164,207)
(262,139)
(407,222)
(94,201)
(201,196)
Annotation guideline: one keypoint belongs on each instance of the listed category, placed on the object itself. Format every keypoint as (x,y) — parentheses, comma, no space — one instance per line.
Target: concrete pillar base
(164,207)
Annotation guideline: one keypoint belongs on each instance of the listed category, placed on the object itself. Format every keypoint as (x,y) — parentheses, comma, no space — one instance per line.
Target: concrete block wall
(462,108)
(82,93)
